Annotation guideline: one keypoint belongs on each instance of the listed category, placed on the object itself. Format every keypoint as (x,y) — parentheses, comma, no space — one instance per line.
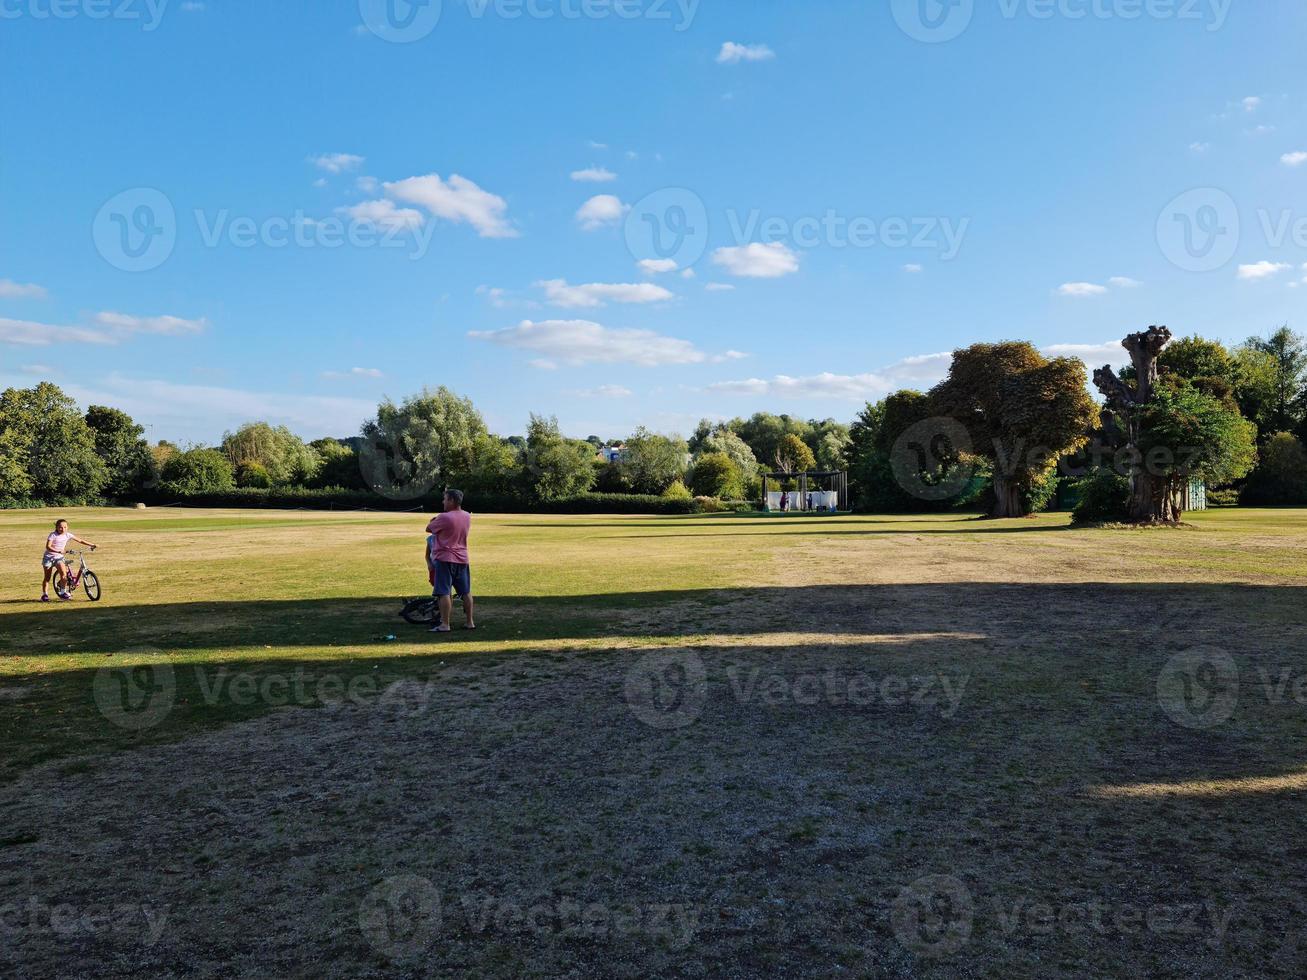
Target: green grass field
(752,746)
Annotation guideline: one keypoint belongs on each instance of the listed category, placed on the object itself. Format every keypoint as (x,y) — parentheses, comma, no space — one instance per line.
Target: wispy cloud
(357,372)
(733,53)
(173,326)
(653,267)
(579,342)
(1081,289)
(604,391)
(1295,159)
(594,175)
(457,200)
(336,163)
(1260,270)
(384,214)
(19,290)
(918,371)
(559,292)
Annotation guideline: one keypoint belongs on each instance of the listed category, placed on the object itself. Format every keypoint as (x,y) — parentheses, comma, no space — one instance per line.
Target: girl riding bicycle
(52,561)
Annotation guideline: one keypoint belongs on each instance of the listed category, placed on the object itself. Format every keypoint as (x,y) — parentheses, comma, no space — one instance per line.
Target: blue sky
(872,194)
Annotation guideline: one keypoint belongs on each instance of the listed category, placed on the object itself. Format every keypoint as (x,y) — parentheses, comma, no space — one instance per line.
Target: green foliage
(677,491)
(280,453)
(716,475)
(1281,474)
(763,433)
(126,456)
(555,467)
(1288,355)
(1223,497)
(197,471)
(722,440)
(793,455)
(1186,434)
(650,463)
(1104,497)
(49,447)
(1021,410)
(339,465)
(421,441)
(252,474)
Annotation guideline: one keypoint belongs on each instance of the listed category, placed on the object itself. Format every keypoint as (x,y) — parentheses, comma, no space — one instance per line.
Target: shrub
(717,475)
(677,491)
(251,474)
(1104,496)
(197,471)
(1227,497)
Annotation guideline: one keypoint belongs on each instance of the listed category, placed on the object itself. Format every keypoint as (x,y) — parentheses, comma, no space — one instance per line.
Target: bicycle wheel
(419,612)
(92,585)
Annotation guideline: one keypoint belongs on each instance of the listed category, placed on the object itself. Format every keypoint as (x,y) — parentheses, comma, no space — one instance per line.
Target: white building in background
(611,454)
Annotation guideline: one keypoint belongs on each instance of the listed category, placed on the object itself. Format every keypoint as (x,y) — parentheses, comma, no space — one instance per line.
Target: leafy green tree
(1021,411)
(650,463)
(197,470)
(827,440)
(721,439)
(716,475)
(252,474)
(47,432)
(339,465)
(1255,385)
(421,443)
(120,446)
(1281,473)
(1288,351)
(493,467)
(281,453)
(677,490)
(764,432)
(15,444)
(793,455)
(555,467)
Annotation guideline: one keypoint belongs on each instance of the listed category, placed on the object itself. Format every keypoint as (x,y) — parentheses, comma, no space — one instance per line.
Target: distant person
(453,573)
(785,501)
(52,562)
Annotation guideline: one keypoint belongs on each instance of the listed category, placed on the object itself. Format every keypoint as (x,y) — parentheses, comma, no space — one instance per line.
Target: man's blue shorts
(452,577)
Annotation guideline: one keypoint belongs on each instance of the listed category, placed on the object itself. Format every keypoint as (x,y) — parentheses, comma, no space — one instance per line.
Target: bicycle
(83,576)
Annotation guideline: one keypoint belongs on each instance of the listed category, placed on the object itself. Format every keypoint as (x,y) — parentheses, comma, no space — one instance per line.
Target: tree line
(1006,430)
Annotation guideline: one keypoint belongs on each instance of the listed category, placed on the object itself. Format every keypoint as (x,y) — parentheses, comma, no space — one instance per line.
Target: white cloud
(1252,103)
(578,342)
(913,267)
(718,287)
(1123,282)
(594,175)
(600,210)
(383,214)
(368,185)
(653,267)
(357,372)
(1081,289)
(757,261)
(596,146)
(1199,147)
(559,293)
(1261,130)
(336,163)
(18,290)
(604,391)
(1295,159)
(26,333)
(173,326)
(732,53)
(1260,270)
(687,273)
(920,370)
(321,182)
(458,200)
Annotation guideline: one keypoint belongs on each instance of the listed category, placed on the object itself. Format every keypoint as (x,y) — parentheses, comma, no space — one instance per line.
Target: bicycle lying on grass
(83,575)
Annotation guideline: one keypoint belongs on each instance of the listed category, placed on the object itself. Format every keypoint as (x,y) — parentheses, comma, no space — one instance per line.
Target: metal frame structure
(838,482)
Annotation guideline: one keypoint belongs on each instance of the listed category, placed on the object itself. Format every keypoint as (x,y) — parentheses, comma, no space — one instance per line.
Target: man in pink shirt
(449,553)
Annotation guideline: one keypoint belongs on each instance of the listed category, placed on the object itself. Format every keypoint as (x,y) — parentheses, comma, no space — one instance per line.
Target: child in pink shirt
(52,562)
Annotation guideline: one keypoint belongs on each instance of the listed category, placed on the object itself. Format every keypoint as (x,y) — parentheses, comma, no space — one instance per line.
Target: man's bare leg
(467,612)
(446,606)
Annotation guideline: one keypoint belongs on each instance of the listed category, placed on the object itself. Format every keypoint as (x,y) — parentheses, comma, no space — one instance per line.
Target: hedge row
(338,499)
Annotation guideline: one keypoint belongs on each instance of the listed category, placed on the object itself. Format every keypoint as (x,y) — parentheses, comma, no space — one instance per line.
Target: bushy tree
(650,462)
(793,455)
(764,431)
(716,475)
(51,438)
(1288,353)
(720,438)
(493,467)
(119,444)
(555,467)
(1021,411)
(419,444)
(339,465)
(252,474)
(1281,474)
(677,490)
(827,439)
(197,470)
(278,451)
